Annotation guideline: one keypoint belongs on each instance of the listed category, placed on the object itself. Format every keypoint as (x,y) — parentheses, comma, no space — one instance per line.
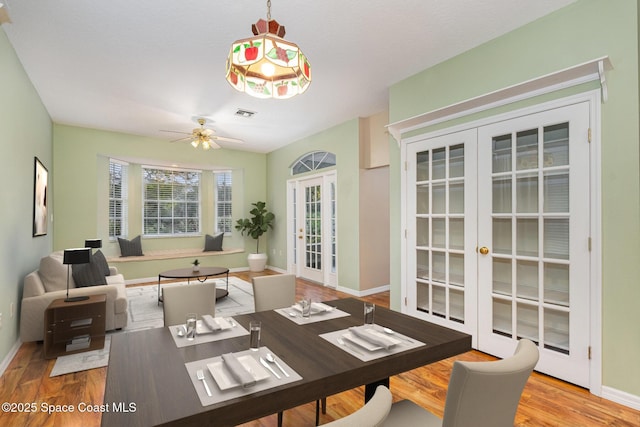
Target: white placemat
(367,351)
(322,312)
(235,330)
(219,395)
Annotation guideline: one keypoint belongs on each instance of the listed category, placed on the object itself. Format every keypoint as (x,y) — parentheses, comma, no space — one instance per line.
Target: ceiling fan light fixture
(194,143)
(267,65)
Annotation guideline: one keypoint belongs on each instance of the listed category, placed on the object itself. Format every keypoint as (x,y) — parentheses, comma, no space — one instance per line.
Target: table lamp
(93,243)
(75,256)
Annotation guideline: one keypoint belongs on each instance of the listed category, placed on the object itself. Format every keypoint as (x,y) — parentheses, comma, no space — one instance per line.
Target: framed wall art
(40,196)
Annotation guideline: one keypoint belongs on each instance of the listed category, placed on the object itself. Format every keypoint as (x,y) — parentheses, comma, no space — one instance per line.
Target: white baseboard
(7,360)
(621,397)
(365,292)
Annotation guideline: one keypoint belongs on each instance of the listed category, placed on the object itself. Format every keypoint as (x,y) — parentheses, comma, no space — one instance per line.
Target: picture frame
(40,199)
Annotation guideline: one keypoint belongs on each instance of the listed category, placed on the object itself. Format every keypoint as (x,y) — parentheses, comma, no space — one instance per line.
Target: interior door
(533,260)
(441,231)
(498,229)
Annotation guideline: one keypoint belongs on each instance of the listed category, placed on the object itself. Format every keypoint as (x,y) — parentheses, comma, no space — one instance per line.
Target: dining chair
(279,291)
(180,300)
(274,291)
(481,394)
(372,414)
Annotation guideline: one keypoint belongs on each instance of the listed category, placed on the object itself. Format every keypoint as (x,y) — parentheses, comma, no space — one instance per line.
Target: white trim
(9,357)
(621,397)
(568,77)
(364,293)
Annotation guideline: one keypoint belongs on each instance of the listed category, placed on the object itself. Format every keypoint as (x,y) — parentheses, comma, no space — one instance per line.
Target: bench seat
(172,254)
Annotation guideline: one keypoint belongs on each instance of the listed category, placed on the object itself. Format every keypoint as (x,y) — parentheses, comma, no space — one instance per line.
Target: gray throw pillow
(100,260)
(213,243)
(88,274)
(131,247)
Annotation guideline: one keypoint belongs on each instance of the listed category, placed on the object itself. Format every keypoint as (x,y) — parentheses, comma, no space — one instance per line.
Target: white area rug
(82,361)
(145,313)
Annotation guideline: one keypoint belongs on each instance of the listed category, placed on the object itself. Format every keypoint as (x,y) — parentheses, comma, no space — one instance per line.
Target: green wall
(25,133)
(580,32)
(81,198)
(343,141)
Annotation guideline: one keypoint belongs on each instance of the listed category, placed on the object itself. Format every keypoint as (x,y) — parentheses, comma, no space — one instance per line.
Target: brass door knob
(299,237)
(484,250)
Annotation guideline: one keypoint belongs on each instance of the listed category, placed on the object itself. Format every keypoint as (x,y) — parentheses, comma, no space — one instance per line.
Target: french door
(313,228)
(498,236)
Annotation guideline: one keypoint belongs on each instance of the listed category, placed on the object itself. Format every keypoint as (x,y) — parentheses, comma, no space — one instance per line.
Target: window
(171,201)
(223,183)
(117,199)
(313,161)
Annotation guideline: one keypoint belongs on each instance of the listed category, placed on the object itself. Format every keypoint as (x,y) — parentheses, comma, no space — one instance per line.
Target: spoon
(180,332)
(272,359)
(388,331)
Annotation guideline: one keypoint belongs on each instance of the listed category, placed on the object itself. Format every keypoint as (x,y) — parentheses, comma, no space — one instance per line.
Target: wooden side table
(74,327)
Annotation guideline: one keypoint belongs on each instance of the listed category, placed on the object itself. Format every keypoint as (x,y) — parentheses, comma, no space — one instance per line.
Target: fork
(200,375)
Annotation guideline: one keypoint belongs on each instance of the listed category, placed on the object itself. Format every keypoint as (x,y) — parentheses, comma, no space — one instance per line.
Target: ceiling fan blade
(225,139)
(181,139)
(206,132)
(175,131)
(214,145)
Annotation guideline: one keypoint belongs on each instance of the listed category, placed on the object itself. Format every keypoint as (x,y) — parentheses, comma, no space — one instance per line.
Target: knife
(280,367)
(266,365)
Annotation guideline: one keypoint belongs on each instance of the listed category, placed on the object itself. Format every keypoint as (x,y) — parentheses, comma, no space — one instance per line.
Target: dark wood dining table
(147,374)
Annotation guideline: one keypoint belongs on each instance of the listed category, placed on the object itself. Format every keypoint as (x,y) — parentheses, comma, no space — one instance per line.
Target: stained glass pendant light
(267,65)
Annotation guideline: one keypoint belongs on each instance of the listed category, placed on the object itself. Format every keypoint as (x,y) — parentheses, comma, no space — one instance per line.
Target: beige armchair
(481,394)
(180,300)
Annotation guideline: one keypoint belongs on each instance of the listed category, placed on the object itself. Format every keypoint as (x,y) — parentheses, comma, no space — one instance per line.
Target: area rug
(145,313)
(82,361)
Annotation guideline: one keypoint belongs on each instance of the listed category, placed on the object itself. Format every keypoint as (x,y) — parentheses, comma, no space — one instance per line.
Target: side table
(74,327)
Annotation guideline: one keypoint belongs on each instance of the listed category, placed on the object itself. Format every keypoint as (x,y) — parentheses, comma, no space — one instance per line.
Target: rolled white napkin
(370,335)
(238,371)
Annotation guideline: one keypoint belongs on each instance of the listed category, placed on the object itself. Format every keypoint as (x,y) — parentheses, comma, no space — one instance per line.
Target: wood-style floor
(545,401)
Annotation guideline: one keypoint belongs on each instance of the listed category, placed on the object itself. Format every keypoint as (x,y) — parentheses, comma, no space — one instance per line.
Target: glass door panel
(533,174)
(440,238)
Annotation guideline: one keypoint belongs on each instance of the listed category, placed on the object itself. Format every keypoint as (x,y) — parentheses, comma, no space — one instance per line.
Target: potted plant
(196,265)
(256,226)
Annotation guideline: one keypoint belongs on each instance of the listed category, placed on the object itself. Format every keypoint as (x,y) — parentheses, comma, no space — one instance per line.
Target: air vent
(245,113)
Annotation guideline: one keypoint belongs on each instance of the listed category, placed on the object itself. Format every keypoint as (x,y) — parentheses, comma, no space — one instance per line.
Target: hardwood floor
(545,401)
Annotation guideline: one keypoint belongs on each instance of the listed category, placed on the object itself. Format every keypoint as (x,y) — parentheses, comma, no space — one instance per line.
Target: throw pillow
(88,274)
(213,243)
(131,247)
(100,260)
(54,274)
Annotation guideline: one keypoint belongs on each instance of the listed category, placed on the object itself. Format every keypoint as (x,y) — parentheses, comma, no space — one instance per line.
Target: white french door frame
(294,197)
(594,100)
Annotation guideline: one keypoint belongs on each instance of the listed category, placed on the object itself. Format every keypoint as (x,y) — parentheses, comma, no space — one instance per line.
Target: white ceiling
(139,66)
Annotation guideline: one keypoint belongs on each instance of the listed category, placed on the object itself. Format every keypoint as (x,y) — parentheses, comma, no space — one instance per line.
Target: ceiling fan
(203,136)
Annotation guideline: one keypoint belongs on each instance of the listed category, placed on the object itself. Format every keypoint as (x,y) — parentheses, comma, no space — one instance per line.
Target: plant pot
(257,262)
(196,268)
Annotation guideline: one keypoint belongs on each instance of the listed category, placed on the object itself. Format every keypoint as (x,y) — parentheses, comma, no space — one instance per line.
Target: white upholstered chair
(372,414)
(274,291)
(481,394)
(180,300)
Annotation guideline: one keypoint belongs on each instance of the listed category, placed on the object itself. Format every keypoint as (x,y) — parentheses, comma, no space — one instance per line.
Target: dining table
(148,384)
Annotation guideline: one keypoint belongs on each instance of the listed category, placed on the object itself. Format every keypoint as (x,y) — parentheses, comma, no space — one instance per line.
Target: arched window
(313,161)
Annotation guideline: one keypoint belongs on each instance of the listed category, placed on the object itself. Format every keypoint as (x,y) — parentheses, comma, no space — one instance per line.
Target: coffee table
(201,276)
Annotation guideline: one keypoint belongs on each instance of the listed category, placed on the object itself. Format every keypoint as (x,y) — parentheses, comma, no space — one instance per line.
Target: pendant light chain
(268,10)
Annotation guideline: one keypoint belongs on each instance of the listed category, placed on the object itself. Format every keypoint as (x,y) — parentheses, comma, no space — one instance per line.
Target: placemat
(404,343)
(296,316)
(219,395)
(235,331)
